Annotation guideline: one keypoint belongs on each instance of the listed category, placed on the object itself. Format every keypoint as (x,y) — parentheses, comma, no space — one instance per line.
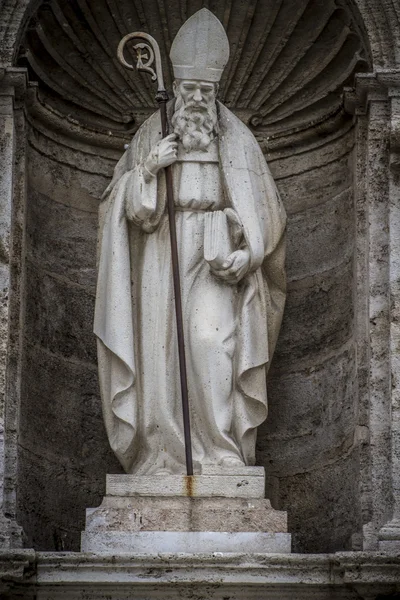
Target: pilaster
(389,535)
(13,83)
(377,96)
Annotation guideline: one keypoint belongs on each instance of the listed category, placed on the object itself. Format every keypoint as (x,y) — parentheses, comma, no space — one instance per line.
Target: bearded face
(195,118)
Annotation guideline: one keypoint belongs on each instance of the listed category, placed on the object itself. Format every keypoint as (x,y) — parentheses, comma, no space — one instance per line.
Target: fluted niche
(289,63)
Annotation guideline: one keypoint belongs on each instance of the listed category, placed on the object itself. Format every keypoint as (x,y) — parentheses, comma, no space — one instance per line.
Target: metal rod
(178,298)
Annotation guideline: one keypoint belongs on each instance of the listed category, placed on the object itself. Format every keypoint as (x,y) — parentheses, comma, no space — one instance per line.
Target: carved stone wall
(63,449)
(289,64)
(309,443)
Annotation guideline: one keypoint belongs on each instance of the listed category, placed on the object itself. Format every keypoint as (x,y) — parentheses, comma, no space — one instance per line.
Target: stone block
(144,513)
(230,485)
(153,524)
(199,542)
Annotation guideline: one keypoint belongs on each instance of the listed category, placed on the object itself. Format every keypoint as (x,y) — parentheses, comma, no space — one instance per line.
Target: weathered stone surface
(379,309)
(312,421)
(66,251)
(91,166)
(337,506)
(58,315)
(229,485)
(167,513)
(118,513)
(240,470)
(12,221)
(325,325)
(7,141)
(214,576)
(198,542)
(317,174)
(278,72)
(320,237)
(15,567)
(62,464)
(313,430)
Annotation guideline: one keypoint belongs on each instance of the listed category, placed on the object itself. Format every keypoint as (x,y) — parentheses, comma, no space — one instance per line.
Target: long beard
(194,126)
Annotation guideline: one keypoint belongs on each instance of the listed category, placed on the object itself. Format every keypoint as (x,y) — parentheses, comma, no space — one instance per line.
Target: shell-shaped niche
(289,60)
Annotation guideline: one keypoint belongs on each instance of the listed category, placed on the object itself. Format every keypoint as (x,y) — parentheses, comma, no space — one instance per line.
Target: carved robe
(230,331)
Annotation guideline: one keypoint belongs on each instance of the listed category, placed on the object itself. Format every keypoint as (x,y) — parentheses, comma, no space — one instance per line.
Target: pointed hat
(200,49)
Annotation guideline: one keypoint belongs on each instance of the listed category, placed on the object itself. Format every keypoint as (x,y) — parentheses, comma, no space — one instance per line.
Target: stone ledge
(79,576)
(14,567)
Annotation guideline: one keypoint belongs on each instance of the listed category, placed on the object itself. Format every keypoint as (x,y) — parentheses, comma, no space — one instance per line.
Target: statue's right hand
(163,154)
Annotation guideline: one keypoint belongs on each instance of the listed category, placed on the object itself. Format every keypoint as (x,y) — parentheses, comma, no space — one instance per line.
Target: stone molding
(389,536)
(74,576)
(378,86)
(15,567)
(13,82)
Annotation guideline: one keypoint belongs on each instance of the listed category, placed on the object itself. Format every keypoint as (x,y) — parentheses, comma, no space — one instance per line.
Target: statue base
(221,510)
(189,542)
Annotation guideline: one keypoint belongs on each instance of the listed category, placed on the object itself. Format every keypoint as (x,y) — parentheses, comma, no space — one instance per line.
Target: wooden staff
(150,52)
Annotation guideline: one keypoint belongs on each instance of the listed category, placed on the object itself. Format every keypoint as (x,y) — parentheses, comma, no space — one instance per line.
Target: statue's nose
(197,96)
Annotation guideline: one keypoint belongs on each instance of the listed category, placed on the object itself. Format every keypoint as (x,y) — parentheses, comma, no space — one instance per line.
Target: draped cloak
(133,217)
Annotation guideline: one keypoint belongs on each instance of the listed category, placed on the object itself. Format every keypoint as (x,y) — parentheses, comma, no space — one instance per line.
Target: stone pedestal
(217,511)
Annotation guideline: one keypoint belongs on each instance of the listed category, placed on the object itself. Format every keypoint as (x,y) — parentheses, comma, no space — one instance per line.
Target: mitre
(200,49)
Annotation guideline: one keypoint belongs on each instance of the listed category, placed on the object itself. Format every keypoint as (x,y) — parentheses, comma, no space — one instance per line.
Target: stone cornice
(15,567)
(284,576)
(371,87)
(13,82)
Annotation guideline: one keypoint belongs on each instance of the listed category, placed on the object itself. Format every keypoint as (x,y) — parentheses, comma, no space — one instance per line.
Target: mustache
(195,104)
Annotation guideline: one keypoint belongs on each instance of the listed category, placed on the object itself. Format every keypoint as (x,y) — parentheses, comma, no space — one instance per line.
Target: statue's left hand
(235,267)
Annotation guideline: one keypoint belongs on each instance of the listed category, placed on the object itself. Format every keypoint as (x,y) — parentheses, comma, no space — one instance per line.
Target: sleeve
(143,197)
(143,202)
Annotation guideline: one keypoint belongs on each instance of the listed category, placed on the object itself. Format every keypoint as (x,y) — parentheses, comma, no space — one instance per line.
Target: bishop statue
(230,226)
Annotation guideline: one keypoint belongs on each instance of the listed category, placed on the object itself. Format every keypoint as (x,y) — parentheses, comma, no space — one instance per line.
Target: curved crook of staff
(147,52)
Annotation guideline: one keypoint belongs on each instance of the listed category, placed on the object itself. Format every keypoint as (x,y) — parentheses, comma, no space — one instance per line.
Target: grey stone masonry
(13,83)
(378,96)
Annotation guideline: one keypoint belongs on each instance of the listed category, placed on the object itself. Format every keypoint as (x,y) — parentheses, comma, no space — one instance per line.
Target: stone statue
(230,226)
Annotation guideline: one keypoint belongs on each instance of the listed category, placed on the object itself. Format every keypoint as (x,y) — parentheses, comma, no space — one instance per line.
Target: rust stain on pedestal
(189,485)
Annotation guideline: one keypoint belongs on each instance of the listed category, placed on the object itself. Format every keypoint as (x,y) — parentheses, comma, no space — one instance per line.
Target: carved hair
(195,126)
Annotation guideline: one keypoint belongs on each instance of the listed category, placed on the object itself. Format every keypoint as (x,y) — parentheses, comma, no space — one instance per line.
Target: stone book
(218,244)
